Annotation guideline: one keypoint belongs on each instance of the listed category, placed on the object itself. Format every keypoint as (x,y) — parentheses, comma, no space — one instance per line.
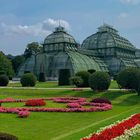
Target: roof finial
(59,23)
(103,22)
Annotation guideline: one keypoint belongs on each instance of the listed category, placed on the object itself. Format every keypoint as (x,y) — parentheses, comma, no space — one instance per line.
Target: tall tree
(17,61)
(5,65)
(32,49)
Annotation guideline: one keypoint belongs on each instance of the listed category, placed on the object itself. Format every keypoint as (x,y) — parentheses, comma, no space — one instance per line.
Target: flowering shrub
(23,114)
(116,130)
(35,102)
(73,105)
(101,100)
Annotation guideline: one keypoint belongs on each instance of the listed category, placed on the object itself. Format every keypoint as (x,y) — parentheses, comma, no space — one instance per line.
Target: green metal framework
(105,51)
(82,62)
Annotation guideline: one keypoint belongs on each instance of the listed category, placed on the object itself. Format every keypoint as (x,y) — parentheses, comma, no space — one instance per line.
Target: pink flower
(73,105)
(23,114)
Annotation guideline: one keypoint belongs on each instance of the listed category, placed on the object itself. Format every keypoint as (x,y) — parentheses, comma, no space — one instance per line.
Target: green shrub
(91,71)
(64,76)
(129,78)
(2,73)
(42,77)
(28,80)
(77,81)
(85,77)
(4,80)
(99,81)
(5,65)
(26,72)
(5,136)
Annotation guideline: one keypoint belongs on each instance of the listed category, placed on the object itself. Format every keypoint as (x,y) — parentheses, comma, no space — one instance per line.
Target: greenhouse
(105,51)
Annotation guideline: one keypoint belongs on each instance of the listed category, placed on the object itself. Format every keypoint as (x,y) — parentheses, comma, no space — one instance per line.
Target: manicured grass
(48,84)
(64,126)
(54,84)
(114,85)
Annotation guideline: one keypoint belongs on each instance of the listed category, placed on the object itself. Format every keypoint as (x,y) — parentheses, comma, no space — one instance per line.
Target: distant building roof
(105,37)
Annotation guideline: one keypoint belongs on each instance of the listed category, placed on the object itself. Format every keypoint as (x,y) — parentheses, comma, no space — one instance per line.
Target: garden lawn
(54,84)
(64,126)
(48,84)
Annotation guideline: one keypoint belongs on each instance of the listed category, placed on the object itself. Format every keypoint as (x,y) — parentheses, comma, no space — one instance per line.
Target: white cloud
(14,37)
(123,15)
(134,2)
(39,29)
(51,24)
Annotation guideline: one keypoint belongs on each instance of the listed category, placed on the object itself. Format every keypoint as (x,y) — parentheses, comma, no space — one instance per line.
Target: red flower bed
(35,102)
(116,130)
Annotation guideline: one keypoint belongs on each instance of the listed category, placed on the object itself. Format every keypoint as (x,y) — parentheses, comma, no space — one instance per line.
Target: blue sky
(22,22)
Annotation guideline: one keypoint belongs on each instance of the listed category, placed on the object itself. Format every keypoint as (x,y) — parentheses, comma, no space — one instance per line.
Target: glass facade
(105,51)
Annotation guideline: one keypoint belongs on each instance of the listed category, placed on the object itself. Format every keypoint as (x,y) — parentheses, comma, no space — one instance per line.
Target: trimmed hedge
(85,77)
(4,80)
(28,80)
(5,136)
(77,81)
(99,81)
(42,77)
(129,79)
(64,76)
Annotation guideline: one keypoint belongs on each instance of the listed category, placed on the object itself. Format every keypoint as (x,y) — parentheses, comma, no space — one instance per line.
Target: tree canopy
(17,61)
(5,65)
(32,49)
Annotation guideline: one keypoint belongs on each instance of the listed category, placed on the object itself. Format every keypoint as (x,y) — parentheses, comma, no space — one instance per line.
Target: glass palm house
(104,51)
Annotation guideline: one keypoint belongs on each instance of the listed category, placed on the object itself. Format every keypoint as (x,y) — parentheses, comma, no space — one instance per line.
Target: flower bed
(23,114)
(35,102)
(69,100)
(135,131)
(101,100)
(75,104)
(118,131)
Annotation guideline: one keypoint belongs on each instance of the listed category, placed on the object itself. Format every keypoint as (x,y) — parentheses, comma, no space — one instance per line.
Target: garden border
(91,125)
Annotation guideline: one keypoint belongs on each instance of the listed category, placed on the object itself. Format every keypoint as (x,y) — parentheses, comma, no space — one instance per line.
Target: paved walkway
(58,88)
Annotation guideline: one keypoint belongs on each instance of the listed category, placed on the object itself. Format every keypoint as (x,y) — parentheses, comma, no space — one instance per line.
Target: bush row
(96,80)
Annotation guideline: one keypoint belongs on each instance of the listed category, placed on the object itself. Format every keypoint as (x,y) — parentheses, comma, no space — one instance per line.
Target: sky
(23,22)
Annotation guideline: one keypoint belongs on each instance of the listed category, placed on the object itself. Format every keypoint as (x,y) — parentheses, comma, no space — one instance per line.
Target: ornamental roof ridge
(107,27)
(60,29)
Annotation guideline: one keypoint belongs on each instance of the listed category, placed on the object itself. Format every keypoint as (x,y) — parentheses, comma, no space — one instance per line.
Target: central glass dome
(59,36)
(59,40)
